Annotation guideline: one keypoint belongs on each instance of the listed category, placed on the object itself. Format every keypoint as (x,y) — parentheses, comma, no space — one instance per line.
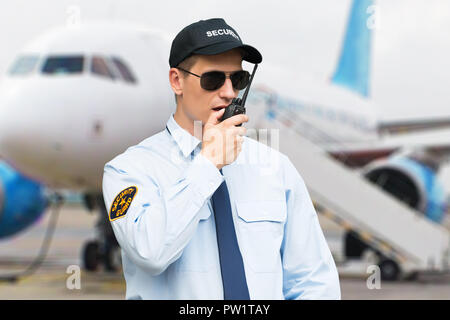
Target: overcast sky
(411,47)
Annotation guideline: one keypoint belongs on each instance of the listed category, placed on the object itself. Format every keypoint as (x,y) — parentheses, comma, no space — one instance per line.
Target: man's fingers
(235,120)
(241,131)
(214,117)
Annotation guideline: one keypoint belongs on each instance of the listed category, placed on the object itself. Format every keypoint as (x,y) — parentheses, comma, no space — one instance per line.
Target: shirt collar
(186,142)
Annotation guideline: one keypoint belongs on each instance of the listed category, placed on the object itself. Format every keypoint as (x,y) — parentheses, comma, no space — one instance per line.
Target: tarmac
(55,279)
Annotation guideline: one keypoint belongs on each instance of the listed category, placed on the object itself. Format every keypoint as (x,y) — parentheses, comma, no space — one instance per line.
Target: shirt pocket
(261,229)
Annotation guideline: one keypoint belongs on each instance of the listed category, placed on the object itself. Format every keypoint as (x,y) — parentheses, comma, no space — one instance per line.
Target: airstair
(402,237)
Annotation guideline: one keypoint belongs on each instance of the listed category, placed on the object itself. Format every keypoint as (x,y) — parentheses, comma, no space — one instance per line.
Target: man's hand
(222,141)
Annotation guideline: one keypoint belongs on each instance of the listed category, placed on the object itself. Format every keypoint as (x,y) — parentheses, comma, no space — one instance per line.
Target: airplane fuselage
(73,109)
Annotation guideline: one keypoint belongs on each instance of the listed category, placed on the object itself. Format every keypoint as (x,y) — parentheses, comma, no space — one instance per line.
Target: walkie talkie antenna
(244,97)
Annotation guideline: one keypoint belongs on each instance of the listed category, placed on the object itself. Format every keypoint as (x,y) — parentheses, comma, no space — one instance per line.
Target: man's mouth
(219,108)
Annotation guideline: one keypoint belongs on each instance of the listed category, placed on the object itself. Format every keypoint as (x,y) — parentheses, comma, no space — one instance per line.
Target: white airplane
(76,97)
(73,99)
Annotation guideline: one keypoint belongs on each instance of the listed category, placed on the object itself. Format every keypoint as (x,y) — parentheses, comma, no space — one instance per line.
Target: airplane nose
(11,123)
(15,103)
(23,118)
(9,100)
(44,128)
(32,109)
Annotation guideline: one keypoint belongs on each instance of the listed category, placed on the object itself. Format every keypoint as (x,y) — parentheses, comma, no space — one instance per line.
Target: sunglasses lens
(240,79)
(215,79)
(212,80)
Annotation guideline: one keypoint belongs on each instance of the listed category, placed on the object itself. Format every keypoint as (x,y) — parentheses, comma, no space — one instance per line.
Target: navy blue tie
(231,264)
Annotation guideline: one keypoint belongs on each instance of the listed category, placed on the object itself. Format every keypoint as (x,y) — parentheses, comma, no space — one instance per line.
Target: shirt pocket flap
(262,211)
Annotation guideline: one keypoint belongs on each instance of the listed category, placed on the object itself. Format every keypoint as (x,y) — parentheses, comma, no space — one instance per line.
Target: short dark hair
(187,64)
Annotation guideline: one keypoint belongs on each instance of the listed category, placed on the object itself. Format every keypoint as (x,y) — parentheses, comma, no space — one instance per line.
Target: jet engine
(22,201)
(410,181)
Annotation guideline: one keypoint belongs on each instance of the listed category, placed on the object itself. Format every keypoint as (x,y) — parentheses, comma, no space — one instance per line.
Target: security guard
(214,215)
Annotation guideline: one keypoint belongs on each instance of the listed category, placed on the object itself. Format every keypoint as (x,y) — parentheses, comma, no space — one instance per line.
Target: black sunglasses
(213,80)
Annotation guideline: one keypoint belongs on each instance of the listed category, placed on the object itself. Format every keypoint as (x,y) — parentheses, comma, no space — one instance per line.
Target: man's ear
(176,81)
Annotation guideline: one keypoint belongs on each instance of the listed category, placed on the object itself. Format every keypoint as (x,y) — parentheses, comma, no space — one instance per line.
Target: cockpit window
(125,72)
(99,67)
(24,65)
(63,65)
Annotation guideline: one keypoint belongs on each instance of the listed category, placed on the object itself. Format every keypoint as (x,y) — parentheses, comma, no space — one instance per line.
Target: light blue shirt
(168,235)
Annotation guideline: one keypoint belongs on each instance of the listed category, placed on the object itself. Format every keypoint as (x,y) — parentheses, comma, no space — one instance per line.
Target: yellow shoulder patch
(121,203)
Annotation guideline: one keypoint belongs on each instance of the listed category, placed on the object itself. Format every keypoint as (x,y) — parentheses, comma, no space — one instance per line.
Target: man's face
(197,103)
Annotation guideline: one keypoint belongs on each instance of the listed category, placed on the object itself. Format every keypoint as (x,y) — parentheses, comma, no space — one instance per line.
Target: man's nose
(227,91)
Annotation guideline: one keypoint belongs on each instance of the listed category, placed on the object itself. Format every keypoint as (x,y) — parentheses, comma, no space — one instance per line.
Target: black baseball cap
(212,36)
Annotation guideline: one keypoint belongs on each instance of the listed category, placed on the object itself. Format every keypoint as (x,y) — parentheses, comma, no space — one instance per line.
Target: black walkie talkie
(237,105)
